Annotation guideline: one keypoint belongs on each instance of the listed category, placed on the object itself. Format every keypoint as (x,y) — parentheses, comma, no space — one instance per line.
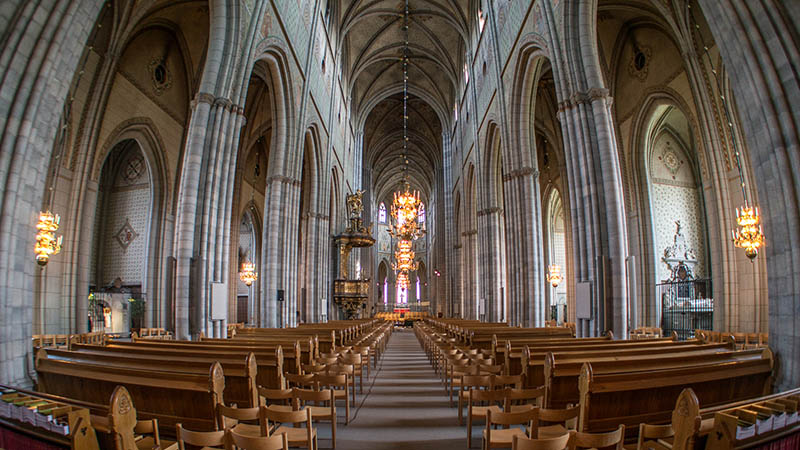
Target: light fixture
(554,275)
(749,235)
(47,244)
(402,280)
(248,274)
(404,257)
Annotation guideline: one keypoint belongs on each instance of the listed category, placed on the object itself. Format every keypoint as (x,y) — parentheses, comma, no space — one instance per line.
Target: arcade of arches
(179,140)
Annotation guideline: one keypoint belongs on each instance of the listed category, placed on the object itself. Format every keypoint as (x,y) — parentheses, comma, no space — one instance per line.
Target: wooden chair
(521,399)
(503,438)
(294,380)
(469,382)
(234,418)
(245,442)
(556,443)
(598,440)
(340,388)
(296,436)
(204,439)
(650,437)
(347,370)
(305,398)
(479,403)
(508,381)
(355,361)
(560,421)
(313,368)
(277,399)
(147,436)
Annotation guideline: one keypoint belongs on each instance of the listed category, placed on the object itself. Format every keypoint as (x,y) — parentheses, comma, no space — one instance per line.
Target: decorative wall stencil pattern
(670,204)
(133,169)
(126,235)
(671,160)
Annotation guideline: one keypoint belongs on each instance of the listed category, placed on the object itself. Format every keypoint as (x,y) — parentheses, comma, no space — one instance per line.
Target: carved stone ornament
(640,63)
(160,75)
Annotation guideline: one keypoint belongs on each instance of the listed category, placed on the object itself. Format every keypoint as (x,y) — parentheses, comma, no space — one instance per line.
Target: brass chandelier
(748,234)
(47,244)
(248,274)
(406,206)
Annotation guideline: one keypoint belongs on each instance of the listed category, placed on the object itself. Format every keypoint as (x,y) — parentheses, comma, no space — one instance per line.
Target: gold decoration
(554,275)
(248,274)
(749,235)
(47,244)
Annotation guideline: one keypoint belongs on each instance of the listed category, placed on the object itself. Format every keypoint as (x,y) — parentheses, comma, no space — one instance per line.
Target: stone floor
(404,407)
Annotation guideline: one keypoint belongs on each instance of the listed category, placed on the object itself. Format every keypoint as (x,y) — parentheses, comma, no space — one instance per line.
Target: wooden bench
(269,362)
(170,397)
(631,398)
(562,371)
(240,374)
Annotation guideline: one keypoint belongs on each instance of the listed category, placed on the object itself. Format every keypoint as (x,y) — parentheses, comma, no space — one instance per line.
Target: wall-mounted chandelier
(554,275)
(47,244)
(248,274)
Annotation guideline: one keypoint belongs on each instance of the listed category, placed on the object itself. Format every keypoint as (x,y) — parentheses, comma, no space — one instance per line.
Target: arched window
(402,295)
(481,17)
(419,289)
(382,213)
(421,216)
(385,291)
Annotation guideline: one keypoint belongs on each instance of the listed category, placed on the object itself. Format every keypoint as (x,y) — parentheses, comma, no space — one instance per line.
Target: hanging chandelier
(404,257)
(748,234)
(554,275)
(402,280)
(248,274)
(47,244)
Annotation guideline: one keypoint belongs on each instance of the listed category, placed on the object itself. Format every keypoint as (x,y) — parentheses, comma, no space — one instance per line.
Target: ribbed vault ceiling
(373,42)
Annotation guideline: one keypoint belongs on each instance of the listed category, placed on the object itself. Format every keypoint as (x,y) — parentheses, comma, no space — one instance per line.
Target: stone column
(753,39)
(42,46)
(598,216)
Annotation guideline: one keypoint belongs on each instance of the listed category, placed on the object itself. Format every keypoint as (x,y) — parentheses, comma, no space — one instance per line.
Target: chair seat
(504,437)
(248,429)
(281,408)
(552,431)
(319,411)
(480,411)
(295,435)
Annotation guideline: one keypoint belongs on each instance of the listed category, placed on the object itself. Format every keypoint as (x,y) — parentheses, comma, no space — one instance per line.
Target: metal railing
(686,306)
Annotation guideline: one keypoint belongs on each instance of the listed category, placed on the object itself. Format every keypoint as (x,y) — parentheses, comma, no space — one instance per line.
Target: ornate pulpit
(352,294)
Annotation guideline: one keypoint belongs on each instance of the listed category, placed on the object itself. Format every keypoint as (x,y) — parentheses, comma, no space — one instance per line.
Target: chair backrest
(351,358)
(476,381)
(567,416)
(246,442)
(504,381)
(327,360)
(229,416)
(199,438)
(647,432)
(477,396)
(524,396)
(524,443)
(149,426)
(300,416)
(311,395)
(526,417)
(598,440)
(326,380)
(304,380)
(492,369)
(271,396)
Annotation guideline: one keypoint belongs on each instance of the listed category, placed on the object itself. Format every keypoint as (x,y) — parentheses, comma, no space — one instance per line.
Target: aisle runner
(406,406)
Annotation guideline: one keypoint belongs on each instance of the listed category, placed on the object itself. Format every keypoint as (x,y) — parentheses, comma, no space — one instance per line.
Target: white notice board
(583,300)
(219,301)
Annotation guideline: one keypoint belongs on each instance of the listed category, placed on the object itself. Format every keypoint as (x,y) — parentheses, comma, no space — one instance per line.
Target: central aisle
(406,407)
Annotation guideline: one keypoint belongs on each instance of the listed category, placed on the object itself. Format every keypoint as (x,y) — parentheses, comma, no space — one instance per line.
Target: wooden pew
(240,374)
(533,360)
(561,371)
(631,398)
(170,397)
(269,362)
